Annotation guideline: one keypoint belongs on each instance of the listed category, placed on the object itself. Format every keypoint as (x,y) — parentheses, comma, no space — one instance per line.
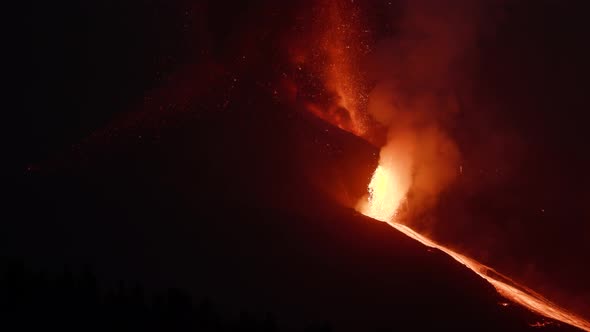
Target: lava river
(382,204)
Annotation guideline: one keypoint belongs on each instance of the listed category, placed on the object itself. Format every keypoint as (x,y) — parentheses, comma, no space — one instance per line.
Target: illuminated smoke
(327,49)
(414,100)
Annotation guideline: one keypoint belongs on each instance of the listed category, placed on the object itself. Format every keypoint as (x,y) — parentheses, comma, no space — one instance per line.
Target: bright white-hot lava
(384,200)
(391,180)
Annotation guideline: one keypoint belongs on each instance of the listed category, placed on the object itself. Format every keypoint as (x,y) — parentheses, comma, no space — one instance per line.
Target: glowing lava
(385,195)
(384,200)
(380,183)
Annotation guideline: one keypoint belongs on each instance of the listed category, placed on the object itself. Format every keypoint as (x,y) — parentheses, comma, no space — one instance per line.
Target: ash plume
(415,72)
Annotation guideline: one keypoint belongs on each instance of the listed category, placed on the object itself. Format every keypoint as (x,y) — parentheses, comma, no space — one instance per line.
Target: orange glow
(338,116)
(382,204)
(340,78)
(341,47)
(418,155)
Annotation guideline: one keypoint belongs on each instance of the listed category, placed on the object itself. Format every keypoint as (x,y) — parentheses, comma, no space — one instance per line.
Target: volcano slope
(247,203)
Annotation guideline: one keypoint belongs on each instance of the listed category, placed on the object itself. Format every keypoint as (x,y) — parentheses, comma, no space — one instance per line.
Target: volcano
(251,204)
(223,150)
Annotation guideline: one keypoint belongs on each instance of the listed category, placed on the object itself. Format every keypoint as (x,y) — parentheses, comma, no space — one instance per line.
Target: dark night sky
(132,119)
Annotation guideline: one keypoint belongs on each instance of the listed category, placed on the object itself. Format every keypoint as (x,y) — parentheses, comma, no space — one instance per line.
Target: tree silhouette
(73,301)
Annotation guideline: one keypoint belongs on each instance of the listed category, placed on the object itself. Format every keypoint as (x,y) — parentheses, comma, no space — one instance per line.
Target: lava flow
(382,204)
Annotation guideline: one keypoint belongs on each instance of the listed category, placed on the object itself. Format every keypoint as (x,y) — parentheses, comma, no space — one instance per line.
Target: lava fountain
(390,181)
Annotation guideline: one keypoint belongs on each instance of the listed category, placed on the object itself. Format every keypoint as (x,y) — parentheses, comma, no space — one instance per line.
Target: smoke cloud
(414,97)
